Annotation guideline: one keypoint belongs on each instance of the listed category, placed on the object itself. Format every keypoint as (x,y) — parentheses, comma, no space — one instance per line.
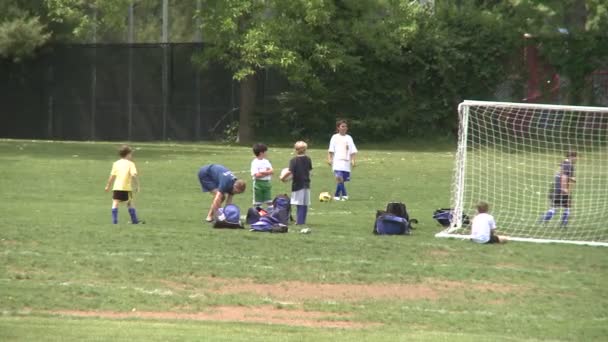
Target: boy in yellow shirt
(124,180)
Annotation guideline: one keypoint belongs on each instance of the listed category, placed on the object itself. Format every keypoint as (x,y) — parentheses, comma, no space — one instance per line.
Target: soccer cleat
(344,198)
(336,198)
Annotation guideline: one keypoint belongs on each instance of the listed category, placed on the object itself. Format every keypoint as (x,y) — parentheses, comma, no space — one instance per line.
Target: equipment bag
(389,224)
(398,209)
(228,217)
(444,217)
(254,214)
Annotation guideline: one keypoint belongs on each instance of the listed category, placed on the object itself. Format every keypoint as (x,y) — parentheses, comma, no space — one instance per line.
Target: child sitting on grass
(483,228)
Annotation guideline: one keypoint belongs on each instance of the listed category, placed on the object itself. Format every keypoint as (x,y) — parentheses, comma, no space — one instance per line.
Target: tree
(21,29)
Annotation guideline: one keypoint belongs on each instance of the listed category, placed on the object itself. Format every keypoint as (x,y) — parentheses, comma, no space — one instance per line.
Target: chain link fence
(137,92)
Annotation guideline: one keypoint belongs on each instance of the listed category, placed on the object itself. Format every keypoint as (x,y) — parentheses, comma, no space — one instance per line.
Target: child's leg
(339,185)
(301,211)
(565,216)
(549,214)
(115,211)
(132,213)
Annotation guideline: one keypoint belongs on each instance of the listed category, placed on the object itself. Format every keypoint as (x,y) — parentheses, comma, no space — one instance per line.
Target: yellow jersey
(124,170)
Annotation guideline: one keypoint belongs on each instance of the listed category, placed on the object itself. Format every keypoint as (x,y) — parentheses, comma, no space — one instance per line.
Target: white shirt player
(343,147)
(481,227)
(260,165)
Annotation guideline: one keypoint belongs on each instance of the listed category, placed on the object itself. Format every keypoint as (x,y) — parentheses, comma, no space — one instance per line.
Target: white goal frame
(460,168)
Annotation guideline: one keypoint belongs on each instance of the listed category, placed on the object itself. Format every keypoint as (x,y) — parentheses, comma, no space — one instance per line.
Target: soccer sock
(565,216)
(133,216)
(338,190)
(549,214)
(344,189)
(301,214)
(114,215)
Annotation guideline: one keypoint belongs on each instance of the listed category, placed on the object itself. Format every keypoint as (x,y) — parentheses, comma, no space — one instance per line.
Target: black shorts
(560,200)
(123,196)
(493,239)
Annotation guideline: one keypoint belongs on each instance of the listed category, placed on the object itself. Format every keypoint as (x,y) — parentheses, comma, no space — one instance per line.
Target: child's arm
(110,182)
(353,159)
(215,205)
(229,199)
(330,157)
(135,183)
(286,175)
(261,174)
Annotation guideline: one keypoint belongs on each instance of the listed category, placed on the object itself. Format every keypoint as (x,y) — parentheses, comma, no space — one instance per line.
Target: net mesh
(510,155)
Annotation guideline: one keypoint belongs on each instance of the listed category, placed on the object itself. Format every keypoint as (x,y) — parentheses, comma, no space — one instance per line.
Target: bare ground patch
(261,314)
(298,291)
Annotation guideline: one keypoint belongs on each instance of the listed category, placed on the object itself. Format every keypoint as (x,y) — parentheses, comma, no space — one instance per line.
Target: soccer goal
(512,154)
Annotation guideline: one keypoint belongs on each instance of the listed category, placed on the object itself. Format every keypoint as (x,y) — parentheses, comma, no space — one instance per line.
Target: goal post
(514,156)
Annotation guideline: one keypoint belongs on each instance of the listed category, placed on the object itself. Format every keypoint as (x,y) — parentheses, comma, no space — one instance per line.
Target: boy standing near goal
(261,172)
(559,195)
(341,156)
(123,180)
(483,227)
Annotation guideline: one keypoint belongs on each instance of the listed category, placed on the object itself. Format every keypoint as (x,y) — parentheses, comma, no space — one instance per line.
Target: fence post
(165,76)
(94,77)
(49,86)
(130,76)
(197,83)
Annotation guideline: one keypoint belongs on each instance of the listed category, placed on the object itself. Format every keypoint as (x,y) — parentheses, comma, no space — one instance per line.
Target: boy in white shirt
(341,156)
(483,228)
(261,172)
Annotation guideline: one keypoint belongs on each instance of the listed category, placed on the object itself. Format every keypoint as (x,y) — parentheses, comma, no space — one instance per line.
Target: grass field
(67,274)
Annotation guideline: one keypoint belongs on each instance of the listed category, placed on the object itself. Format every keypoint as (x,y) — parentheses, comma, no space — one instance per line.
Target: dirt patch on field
(261,314)
(297,292)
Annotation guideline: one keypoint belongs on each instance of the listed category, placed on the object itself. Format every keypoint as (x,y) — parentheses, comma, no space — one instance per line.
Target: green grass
(59,252)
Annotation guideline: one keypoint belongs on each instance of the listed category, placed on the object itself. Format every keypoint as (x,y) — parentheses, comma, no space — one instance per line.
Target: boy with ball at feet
(483,227)
(341,156)
(123,180)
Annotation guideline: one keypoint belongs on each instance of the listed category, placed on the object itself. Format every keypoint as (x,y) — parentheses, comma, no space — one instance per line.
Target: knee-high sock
(114,215)
(133,214)
(338,190)
(343,189)
(301,211)
(565,216)
(549,214)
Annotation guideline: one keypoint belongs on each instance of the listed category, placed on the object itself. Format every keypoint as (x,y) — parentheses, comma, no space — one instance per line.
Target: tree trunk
(248,87)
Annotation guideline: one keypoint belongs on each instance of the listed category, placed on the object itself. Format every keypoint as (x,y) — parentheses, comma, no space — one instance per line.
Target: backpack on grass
(276,219)
(228,217)
(444,217)
(395,220)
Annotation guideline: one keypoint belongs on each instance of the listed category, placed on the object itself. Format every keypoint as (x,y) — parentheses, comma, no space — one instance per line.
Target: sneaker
(344,198)
(336,198)
(208,219)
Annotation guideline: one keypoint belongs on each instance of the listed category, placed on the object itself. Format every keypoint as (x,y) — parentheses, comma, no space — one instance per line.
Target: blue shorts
(345,175)
(207,182)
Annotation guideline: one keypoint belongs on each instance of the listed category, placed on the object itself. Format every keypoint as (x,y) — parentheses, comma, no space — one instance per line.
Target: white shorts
(300,197)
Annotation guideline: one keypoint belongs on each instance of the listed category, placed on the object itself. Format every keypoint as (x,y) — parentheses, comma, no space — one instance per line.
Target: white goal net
(542,168)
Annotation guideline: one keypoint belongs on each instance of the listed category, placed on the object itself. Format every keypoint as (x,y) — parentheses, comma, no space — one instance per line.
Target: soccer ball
(283,173)
(324,197)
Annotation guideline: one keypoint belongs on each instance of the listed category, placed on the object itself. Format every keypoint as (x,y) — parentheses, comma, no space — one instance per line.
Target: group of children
(222,184)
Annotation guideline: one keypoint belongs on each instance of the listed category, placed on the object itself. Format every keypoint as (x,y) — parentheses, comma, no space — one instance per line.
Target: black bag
(385,218)
(398,209)
(444,216)
(254,214)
